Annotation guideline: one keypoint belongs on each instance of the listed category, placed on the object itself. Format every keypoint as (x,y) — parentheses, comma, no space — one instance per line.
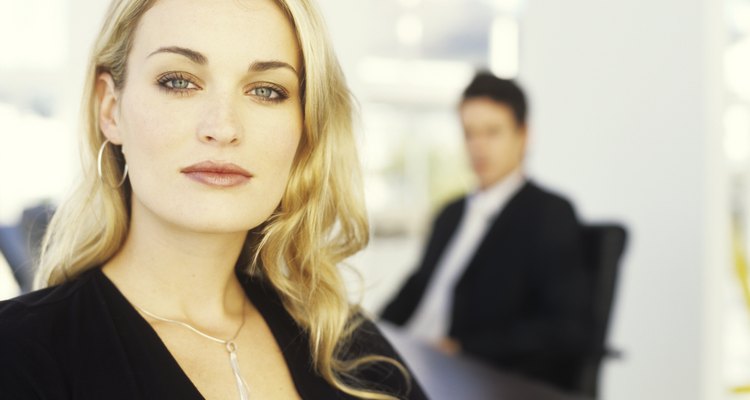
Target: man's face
(495,141)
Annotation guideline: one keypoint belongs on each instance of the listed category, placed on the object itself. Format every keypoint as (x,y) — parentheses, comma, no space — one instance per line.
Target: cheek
(274,142)
(277,168)
(275,137)
(151,145)
(151,127)
(511,151)
(497,147)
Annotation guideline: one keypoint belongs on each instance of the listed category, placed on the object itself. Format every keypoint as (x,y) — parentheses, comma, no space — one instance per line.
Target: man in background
(502,277)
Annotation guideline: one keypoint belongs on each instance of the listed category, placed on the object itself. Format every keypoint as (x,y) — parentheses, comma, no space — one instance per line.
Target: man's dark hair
(503,91)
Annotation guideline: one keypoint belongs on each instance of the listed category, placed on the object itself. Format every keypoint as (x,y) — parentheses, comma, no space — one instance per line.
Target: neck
(484,186)
(179,274)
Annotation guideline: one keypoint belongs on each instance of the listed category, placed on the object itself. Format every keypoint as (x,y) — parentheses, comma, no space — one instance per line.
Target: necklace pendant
(234,362)
(242,387)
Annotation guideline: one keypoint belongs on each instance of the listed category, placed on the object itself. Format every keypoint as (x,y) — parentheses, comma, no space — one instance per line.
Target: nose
(221,124)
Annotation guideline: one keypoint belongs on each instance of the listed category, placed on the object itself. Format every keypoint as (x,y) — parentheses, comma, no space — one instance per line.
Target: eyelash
(164,79)
(280,93)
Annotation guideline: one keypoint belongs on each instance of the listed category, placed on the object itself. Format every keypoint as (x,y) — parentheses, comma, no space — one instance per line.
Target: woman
(198,256)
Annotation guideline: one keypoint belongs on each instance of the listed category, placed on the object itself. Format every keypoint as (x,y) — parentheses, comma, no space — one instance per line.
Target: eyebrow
(193,55)
(198,58)
(260,66)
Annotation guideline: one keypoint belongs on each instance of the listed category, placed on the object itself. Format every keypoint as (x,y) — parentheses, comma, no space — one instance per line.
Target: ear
(523,128)
(106,96)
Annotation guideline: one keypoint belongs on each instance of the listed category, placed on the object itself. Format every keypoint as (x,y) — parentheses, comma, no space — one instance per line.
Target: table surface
(462,377)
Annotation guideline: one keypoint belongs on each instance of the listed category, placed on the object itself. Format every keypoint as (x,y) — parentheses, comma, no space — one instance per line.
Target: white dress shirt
(431,319)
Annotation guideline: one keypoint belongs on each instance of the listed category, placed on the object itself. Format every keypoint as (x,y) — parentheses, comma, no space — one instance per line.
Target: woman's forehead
(224,31)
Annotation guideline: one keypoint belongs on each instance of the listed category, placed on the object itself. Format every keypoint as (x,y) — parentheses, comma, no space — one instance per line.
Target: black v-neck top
(84,340)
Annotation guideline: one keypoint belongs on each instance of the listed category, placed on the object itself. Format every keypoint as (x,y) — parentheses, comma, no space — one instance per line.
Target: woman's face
(210,115)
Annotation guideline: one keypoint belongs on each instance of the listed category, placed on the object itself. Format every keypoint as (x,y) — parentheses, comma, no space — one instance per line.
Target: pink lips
(217,174)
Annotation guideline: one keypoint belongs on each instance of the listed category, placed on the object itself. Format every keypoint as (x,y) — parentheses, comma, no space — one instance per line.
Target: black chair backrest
(604,246)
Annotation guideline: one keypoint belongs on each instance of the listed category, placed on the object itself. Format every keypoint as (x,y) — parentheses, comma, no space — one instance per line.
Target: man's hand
(448,346)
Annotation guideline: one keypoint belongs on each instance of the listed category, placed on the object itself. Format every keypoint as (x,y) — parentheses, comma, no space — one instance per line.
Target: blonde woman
(198,257)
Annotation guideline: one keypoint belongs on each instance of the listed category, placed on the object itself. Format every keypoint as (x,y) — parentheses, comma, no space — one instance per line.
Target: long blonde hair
(319,222)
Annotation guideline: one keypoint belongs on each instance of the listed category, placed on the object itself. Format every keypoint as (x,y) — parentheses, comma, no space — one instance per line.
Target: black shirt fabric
(84,340)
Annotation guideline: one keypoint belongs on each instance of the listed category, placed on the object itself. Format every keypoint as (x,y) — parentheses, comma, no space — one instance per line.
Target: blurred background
(640,113)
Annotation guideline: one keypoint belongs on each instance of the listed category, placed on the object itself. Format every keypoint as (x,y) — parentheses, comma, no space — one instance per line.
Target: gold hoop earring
(99,166)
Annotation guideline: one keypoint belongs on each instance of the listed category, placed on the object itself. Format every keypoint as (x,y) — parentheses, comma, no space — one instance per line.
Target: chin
(216,227)
(203,214)
(222,223)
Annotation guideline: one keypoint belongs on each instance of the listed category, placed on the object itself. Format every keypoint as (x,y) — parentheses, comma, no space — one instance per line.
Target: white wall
(625,101)
(44,148)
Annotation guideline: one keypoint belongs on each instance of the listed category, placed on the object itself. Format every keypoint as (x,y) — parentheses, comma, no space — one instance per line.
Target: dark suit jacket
(521,303)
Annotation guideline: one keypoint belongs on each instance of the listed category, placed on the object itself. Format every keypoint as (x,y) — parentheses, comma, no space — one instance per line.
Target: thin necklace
(230,346)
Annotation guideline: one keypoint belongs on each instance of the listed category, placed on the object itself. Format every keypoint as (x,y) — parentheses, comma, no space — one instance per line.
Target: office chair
(20,243)
(604,245)
(13,249)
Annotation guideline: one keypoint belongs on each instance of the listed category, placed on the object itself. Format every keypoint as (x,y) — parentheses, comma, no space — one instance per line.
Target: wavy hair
(319,222)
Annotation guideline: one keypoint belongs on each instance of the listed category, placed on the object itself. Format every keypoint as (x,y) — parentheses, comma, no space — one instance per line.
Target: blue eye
(266,93)
(177,82)
(269,92)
